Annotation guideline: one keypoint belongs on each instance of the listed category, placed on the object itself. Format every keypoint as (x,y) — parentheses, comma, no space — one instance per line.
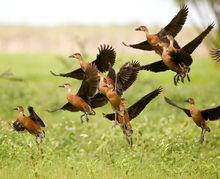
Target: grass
(166,142)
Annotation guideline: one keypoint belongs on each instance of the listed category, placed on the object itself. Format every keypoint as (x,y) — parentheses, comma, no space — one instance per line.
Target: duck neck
(192,106)
(21,113)
(147,33)
(69,91)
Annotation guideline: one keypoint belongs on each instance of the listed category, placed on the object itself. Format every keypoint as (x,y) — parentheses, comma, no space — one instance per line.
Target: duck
(177,60)
(32,123)
(80,101)
(173,28)
(199,116)
(106,56)
(114,84)
(132,112)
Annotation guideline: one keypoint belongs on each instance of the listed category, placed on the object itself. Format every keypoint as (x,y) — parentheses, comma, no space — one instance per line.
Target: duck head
(77,56)
(19,109)
(142,28)
(190,101)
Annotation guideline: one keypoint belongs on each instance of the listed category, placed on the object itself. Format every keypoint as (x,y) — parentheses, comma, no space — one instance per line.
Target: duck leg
(202,136)
(37,143)
(188,78)
(187,73)
(87,118)
(175,80)
(129,140)
(116,121)
(81,117)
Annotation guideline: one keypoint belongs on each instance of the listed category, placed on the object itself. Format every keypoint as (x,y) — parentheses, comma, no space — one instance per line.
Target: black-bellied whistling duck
(173,28)
(132,112)
(199,117)
(88,89)
(115,84)
(32,123)
(105,57)
(215,54)
(177,60)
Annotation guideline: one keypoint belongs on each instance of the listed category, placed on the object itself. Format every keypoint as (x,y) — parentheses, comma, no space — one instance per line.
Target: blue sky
(58,12)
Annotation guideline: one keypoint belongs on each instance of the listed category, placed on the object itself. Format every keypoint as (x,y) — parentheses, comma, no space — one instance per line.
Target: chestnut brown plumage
(32,123)
(198,116)
(173,28)
(132,112)
(177,60)
(105,57)
(137,107)
(87,91)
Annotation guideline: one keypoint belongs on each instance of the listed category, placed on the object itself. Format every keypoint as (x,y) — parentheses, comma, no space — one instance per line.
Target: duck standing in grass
(198,116)
(132,112)
(33,123)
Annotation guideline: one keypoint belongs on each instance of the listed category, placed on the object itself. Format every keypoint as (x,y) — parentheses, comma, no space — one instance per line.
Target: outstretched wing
(211,114)
(110,116)
(169,101)
(191,46)
(111,77)
(98,100)
(176,24)
(127,76)
(33,116)
(158,66)
(76,74)
(138,107)
(215,54)
(89,84)
(105,57)
(181,57)
(142,46)
(66,107)
(18,126)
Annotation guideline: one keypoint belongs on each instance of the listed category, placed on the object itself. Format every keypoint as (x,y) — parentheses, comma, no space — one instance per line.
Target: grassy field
(166,142)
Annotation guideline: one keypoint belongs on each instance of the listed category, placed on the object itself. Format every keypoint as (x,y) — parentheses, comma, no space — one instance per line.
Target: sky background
(59,12)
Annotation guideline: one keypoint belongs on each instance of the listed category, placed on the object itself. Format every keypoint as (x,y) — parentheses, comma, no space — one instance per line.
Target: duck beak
(71,56)
(61,86)
(138,29)
(15,109)
(186,100)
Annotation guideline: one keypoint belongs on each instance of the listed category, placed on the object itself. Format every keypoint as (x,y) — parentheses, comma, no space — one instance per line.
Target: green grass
(166,142)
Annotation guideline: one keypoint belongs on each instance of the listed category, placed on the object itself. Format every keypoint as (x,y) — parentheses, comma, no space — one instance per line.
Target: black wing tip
(212,25)
(135,63)
(215,54)
(159,89)
(126,45)
(167,99)
(54,74)
(106,47)
(184,8)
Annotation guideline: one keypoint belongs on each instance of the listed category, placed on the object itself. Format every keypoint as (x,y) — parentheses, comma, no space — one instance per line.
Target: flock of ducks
(101,84)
